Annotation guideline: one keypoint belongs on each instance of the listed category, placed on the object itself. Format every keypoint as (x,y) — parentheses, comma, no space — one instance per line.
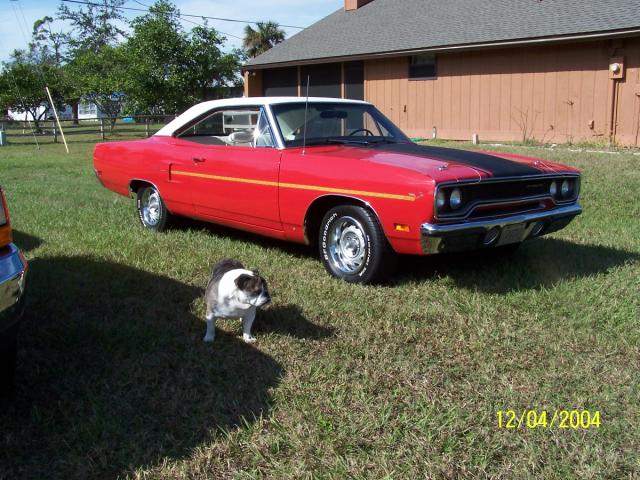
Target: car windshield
(348,123)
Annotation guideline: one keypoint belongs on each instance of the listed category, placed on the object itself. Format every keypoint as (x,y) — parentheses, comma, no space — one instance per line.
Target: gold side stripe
(392,196)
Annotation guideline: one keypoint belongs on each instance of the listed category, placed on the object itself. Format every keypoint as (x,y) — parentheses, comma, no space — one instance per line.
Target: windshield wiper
(347,140)
(350,141)
(384,140)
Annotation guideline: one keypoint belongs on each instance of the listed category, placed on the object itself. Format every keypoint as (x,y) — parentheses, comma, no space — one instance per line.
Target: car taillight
(5,226)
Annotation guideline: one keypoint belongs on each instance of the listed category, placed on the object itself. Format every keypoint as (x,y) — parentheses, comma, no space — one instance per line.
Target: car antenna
(306,107)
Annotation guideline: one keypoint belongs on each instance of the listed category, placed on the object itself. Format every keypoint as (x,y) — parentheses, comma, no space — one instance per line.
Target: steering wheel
(368,132)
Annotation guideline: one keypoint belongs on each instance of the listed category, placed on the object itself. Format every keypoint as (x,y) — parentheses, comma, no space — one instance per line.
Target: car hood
(445,163)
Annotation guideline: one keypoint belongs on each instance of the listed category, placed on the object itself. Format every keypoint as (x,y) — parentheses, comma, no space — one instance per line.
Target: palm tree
(265,37)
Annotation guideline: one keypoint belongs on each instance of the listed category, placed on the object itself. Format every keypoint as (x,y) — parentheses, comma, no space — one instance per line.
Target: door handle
(198,159)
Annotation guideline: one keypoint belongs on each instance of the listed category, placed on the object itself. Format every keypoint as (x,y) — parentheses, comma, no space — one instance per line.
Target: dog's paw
(248,338)
(208,339)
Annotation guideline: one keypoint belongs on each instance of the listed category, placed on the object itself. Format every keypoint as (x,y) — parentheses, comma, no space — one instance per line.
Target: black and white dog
(234,292)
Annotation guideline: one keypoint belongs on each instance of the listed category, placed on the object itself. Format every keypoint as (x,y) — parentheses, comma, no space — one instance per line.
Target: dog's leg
(211,328)
(247,322)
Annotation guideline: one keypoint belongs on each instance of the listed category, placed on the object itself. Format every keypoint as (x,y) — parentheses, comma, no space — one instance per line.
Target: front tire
(353,246)
(152,212)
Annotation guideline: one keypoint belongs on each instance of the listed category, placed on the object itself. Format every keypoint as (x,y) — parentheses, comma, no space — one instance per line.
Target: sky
(17,16)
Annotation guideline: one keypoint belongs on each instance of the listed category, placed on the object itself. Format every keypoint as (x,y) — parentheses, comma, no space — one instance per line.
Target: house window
(423,66)
(87,109)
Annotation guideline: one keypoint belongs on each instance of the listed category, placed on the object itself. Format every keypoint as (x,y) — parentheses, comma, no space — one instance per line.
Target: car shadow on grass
(295,249)
(536,264)
(25,242)
(113,374)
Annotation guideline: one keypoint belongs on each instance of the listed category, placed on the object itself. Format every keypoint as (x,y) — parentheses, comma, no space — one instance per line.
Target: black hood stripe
(495,166)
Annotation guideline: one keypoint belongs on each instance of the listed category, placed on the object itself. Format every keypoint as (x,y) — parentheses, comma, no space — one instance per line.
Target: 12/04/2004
(574,419)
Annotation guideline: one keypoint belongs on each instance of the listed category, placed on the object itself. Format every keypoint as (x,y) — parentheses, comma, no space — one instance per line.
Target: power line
(192,22)
(44,81)
(235,20)
(15,82)
(24,29)
(220,31)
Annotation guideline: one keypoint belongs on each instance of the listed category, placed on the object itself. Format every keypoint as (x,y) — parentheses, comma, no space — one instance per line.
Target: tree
(22,88)
(48,44)
(155,51)
(268,35)
(207,69)
(101,77)
(159,68)
(94,27)
(171,69)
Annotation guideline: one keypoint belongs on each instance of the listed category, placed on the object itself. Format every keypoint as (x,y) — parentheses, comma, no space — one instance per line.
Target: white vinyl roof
(194,112)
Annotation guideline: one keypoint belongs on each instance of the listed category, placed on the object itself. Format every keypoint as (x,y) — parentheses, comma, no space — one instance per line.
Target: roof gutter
(452,48)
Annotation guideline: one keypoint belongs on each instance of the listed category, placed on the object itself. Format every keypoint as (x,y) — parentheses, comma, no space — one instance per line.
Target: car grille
(495,198)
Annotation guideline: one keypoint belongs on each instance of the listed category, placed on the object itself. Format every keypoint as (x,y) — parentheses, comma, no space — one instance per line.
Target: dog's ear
(261,280)
(243,281)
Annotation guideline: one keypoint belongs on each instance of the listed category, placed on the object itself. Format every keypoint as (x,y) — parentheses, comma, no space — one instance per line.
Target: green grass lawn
(346,381)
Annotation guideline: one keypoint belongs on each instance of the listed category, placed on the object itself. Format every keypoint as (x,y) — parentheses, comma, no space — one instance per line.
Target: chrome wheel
(151,207)
(353,246)
(347,245)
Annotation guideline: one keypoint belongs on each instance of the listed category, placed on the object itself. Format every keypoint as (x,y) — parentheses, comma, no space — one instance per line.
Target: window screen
(280,82)
(324,80)
(354,80)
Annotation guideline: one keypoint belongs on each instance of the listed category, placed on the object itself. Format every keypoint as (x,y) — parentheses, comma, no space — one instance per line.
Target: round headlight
(553,189)
(564,189)
(441,200)
(455,200)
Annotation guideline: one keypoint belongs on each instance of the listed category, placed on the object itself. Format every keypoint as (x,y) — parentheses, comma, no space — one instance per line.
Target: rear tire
(353,246)
(152,212)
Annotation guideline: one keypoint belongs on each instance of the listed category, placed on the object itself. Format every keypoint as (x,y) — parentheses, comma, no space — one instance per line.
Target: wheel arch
(321,205)
(136,183)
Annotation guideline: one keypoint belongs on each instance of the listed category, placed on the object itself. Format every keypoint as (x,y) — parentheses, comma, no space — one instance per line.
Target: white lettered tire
(353,246)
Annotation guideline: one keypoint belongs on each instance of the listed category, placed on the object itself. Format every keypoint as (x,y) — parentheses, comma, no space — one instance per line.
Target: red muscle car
(339,174)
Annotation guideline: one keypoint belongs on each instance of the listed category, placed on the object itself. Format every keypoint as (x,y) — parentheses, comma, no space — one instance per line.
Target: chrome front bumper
(471,235)
(13,272)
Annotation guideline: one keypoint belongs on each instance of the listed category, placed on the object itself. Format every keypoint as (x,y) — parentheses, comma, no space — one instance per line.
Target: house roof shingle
(386,26)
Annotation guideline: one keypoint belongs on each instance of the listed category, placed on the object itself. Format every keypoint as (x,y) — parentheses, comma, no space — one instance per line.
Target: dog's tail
(222,267)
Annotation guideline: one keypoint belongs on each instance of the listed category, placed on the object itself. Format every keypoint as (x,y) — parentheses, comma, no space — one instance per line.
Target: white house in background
(66,114)
(86,111)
